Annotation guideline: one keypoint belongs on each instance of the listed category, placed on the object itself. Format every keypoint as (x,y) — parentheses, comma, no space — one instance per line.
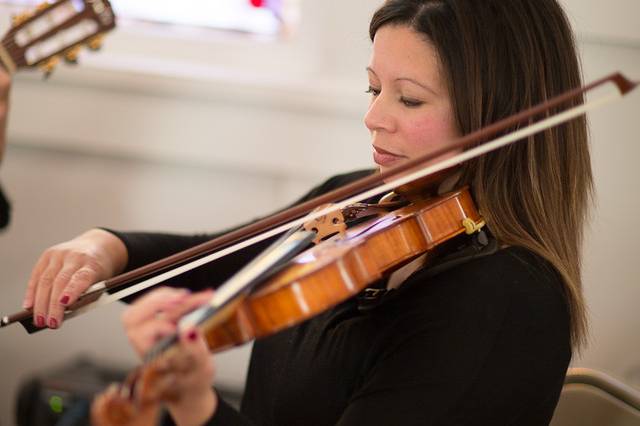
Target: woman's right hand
(66,270)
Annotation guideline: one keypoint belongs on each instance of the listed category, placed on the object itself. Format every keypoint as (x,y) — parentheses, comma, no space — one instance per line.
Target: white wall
(189,134)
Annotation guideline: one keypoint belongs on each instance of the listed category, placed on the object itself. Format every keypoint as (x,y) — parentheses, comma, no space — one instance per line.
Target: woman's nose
(378,117)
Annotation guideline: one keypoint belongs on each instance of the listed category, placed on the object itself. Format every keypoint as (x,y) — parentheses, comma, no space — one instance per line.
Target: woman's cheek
(428,135)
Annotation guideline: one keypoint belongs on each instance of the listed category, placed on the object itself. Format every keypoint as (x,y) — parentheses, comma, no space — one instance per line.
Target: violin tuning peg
(49,65)
(71,55)
(95,42)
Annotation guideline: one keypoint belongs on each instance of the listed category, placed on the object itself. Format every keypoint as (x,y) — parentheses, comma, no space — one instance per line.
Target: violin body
(335,270)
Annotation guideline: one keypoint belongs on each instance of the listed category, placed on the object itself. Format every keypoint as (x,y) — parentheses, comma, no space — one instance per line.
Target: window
(263,17)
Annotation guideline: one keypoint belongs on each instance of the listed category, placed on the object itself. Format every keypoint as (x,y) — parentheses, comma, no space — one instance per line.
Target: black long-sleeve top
(483,343)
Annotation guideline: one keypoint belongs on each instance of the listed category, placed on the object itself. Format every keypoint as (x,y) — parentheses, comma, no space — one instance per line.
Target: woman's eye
(372,91)
(411,103)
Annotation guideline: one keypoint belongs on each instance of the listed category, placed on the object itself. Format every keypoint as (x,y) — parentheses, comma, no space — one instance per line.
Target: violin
(337,269)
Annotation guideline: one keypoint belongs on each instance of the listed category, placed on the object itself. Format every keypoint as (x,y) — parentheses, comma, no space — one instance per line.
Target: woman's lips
(385,158)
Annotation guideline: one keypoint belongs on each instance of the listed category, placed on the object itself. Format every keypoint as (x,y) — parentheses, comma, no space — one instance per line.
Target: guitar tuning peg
(71,55)
(49,65)
(42,6)
(95,42)
(19,18)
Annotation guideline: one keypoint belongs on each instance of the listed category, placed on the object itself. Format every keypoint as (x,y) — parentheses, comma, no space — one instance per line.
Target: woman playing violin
(484,339)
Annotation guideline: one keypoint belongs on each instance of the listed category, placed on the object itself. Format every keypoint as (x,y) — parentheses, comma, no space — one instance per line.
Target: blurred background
(198,115)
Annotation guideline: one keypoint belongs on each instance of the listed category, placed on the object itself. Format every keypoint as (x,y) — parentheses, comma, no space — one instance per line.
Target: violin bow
(363,189)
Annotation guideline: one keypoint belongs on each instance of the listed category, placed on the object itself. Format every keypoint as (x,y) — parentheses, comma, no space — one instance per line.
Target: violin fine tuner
(471,226)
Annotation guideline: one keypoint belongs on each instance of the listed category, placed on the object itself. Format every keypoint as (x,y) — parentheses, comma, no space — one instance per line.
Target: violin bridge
(326,226)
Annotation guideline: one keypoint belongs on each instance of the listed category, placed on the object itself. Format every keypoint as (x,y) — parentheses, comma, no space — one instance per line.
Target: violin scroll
(134,403)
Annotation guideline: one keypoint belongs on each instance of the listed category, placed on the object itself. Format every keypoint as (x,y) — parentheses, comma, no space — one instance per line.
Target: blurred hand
(187,373)
(156,314)
(63,272)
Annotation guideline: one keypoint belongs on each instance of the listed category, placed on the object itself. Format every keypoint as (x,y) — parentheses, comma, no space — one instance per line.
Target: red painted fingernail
(193,335)
(53,323)
(39,321)
(65,299)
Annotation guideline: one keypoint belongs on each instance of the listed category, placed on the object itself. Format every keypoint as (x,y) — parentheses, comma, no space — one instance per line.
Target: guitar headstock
(54,30)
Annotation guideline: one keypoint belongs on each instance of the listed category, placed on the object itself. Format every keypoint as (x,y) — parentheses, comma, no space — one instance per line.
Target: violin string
(493,145)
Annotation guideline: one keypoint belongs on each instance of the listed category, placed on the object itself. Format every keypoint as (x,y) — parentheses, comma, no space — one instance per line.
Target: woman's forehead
(399,51)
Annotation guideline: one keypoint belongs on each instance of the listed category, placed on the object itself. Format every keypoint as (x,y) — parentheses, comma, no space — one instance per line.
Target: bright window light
(264,17)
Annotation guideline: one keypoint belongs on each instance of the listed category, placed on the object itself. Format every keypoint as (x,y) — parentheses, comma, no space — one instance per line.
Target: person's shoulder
(512,268)
(509,300)
(512,278)
(518,271)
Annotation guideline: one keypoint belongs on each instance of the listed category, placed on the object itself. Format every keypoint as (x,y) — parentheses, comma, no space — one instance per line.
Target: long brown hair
(500,57)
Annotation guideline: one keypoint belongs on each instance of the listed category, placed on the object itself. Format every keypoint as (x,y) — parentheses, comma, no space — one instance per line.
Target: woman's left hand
(188,372)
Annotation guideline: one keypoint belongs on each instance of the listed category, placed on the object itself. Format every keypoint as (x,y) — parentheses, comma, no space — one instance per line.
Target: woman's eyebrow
(424,86)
